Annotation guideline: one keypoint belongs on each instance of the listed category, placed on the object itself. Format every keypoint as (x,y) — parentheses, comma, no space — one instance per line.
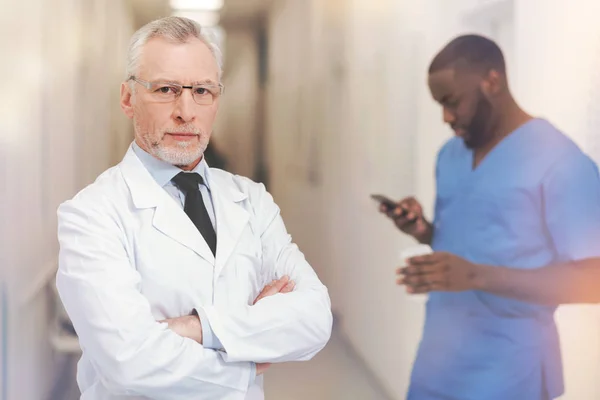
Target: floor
(334,374)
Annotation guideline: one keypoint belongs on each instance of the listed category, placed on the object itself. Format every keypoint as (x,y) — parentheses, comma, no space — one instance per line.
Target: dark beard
(478,131)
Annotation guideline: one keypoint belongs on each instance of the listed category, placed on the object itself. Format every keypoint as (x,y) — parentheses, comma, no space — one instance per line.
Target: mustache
(189,129)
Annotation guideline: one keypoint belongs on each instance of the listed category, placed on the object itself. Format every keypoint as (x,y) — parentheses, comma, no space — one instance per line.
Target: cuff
(252,374)
(209,339)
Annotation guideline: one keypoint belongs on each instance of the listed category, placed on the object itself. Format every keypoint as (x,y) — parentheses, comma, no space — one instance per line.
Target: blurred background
(326,103)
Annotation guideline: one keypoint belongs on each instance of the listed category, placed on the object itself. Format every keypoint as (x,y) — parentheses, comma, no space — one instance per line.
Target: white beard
(183,154)
(180,155)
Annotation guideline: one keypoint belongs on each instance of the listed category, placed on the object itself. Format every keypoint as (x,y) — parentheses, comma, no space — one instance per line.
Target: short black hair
(474,52)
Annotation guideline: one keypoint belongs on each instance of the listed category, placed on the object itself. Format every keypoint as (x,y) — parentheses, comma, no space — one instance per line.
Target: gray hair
(173,29)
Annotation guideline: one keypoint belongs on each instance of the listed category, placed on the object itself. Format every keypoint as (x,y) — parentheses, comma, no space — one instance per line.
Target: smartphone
(386,201)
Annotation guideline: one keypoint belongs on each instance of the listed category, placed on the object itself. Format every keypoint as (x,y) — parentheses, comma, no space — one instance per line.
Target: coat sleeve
(285,327)
(133,354)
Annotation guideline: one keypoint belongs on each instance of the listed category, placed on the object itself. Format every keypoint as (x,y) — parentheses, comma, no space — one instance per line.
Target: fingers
(261,368)
(405,221)
(425,269)
(407,205)
(289,287)
(407,212)
(425,288)
(282,285)
(279,284)
(265,292)
(285,285)
(423,273)
(423,264)
(423,284)
(426,259)
(427,279)
(276,285)
(411,206)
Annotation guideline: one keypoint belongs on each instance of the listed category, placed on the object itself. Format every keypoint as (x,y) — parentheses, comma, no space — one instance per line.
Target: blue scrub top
(534,200)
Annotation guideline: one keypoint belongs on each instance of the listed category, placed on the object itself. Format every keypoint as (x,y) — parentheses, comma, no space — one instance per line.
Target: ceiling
(233,12)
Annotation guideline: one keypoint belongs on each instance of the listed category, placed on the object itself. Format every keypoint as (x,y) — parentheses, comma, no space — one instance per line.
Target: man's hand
(261,368)
(283,285)
(408,217)
(188,326)
(438,272)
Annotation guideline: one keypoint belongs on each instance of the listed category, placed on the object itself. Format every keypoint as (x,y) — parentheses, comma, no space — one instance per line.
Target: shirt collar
(162,171)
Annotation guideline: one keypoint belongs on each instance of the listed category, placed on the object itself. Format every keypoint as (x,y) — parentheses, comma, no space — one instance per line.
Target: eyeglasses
(166,92)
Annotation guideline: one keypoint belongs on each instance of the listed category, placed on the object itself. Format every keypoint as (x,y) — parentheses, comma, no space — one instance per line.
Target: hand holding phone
(407,214)
(389,204)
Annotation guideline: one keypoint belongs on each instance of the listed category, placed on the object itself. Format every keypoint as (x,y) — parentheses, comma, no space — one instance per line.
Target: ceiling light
(205,5)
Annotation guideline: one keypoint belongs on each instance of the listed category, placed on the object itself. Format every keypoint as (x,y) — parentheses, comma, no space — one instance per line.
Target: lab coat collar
(169,218)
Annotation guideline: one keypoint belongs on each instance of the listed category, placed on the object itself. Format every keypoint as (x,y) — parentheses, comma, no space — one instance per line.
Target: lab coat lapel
(169,218)
(231,217)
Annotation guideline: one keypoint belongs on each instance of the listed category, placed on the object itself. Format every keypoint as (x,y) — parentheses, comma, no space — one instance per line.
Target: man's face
(465,107)
(178,131)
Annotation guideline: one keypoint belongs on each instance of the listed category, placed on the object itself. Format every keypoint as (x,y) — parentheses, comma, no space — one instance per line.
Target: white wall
(60,127)
(342,100)
(235,133)
(350,115)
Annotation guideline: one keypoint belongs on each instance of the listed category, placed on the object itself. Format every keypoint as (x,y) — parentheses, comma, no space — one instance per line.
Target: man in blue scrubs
(516,232)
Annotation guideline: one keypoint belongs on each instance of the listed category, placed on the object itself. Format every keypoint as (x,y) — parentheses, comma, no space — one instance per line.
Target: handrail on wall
(3,341)
(39,283)
(62,335)
(63,340)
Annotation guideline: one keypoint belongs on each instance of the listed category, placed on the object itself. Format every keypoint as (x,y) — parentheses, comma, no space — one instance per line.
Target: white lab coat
(130,256)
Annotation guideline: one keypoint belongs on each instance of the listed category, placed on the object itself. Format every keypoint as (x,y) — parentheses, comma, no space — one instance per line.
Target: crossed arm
(190,326)
(135,355)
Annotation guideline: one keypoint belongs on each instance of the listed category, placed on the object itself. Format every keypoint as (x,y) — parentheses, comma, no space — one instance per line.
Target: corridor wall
(60,127)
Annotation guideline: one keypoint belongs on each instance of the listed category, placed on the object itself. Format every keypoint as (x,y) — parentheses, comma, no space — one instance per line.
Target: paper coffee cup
(414,251)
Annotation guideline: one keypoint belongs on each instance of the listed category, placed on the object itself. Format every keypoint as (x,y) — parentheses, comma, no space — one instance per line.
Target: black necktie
(194,206)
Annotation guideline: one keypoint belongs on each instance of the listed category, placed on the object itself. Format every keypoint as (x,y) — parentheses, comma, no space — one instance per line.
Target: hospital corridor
(322,103)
